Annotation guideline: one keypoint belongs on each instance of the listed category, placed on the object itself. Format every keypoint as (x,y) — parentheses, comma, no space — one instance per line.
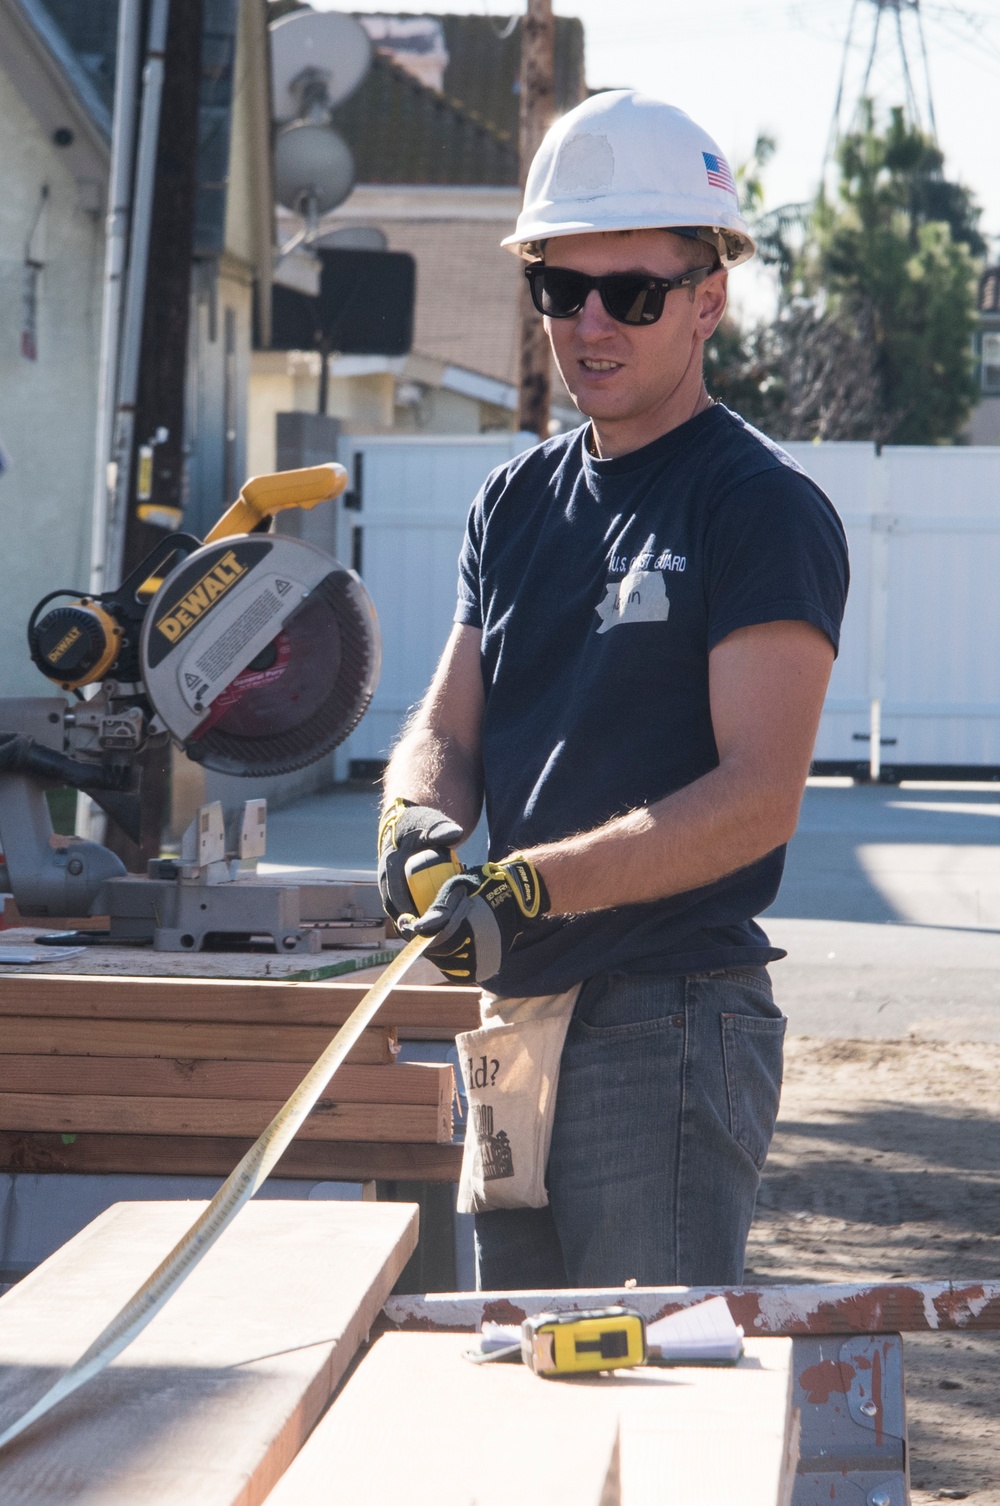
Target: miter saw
(256,654)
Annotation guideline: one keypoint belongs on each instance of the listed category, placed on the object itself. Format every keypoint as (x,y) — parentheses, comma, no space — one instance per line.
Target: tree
(873,336)
(891,262)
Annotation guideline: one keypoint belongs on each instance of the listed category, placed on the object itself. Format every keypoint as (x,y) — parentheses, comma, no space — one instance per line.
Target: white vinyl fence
(415,495)
(920,654)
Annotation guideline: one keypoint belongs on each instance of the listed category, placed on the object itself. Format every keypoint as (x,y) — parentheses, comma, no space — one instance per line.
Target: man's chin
(591,406)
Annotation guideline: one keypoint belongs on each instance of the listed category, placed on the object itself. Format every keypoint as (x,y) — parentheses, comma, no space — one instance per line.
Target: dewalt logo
(213,584)
(73,636)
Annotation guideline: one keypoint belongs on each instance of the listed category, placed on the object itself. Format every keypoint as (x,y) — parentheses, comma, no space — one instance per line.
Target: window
(990,379)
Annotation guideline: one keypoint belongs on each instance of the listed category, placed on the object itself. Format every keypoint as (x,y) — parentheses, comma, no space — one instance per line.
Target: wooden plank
(217,999)
(708,1435)
(198,1156)
(417,1123)
(186,1040)
(167,1077)
(11,919)
(416,1423)
(213,1400)
(804,1308)
(336,959)
(495,1434)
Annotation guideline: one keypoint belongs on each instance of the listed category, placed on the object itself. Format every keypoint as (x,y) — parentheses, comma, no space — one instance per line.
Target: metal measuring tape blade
(238,1188)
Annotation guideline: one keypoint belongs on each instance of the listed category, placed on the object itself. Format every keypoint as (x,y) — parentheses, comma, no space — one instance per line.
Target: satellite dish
(317,57)
(313,168)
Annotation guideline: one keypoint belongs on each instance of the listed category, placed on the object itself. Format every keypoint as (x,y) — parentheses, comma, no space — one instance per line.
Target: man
(648,614)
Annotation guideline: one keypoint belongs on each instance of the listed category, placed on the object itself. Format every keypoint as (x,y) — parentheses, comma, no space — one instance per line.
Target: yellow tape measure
(238,1188)
(603,1338)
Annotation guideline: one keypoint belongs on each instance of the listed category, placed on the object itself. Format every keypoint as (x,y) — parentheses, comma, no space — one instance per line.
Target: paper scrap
(499,1336)
(703,1332)
(19,956)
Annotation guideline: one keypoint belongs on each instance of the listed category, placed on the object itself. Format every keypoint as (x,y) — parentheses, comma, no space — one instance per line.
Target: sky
(740,67)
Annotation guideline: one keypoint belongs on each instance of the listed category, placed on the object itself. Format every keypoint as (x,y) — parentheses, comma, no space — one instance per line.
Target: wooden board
(199,1156)
(213,999)
(417,1425)
(188,1040)
(330,1120)
(168,1077)
(803,1308)
(700,1437)
(213,1400)
(335,959)
(496,1434)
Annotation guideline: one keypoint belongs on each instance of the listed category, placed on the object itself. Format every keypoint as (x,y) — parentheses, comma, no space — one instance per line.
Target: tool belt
(510,1067)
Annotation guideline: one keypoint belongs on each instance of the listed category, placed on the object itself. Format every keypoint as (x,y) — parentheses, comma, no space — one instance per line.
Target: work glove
(414,856)
(477,917)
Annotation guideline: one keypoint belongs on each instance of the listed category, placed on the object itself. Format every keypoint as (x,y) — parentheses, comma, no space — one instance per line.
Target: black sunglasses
(629,297)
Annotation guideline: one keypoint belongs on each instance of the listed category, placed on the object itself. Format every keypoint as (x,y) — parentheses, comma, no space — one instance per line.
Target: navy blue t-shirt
(600,587)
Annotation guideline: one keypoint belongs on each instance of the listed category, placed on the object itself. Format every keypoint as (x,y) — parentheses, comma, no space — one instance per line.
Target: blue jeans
(668,1093)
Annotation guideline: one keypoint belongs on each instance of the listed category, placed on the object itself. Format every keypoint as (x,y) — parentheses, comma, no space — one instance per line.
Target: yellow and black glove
(477,917)
(415,856)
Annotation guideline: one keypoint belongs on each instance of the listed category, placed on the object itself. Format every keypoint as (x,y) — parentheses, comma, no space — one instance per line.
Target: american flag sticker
(718,172)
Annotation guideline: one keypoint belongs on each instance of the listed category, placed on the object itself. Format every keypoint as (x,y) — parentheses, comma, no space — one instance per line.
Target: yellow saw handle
(262,496)
(426,872)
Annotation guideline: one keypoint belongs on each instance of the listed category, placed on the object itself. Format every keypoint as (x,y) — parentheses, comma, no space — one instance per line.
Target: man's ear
(712,295)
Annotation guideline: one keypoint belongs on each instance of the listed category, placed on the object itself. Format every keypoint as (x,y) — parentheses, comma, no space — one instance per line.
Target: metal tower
(878,64)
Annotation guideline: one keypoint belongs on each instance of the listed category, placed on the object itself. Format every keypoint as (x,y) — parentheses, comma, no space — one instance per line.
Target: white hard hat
(625,161)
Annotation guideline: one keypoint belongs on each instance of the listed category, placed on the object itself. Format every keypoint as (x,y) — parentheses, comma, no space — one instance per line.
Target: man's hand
(414,856)
(477,917)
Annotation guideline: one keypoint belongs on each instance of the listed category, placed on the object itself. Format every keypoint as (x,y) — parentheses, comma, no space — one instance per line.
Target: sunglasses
(629,297)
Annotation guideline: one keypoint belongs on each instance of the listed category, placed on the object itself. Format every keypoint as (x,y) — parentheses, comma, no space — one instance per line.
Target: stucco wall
(984,425)
(47,406)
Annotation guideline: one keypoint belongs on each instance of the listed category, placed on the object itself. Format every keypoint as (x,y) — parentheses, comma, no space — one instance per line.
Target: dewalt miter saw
(257,654)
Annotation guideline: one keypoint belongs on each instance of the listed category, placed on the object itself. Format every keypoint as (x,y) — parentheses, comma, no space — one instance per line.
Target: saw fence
(137,1075)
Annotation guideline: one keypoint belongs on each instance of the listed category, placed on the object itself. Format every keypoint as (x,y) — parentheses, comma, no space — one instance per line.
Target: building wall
(369,394)
(984,425)
(48,405)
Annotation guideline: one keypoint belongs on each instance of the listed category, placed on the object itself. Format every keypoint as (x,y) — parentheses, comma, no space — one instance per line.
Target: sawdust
(885,1165)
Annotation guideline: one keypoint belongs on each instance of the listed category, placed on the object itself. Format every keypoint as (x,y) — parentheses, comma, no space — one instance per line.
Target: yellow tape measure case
(578,1343)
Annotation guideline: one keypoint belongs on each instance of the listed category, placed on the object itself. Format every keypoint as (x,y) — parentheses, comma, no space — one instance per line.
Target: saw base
(295,912)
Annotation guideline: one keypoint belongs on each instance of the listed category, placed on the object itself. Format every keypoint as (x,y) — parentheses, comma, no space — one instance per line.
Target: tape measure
(238,1188)
(605,1338)
(570,1343)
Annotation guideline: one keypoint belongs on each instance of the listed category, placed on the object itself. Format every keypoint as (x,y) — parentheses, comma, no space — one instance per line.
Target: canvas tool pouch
(510,1067)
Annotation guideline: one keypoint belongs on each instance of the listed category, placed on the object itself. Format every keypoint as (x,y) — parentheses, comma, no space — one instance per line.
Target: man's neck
(607,441)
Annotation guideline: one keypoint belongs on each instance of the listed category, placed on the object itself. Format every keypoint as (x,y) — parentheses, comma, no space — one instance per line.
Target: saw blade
(274,671)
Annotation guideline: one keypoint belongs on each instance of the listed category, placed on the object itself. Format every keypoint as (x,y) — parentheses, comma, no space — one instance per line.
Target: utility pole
(537,47)
(163,357)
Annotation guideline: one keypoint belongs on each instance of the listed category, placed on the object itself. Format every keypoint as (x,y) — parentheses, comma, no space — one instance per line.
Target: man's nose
(593,320)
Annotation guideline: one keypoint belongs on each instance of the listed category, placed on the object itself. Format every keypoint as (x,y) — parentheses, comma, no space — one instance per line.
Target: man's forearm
(721,822)
(438,761)
(429,768)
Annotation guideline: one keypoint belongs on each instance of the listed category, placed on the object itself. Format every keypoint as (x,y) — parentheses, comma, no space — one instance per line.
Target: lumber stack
(180,1075)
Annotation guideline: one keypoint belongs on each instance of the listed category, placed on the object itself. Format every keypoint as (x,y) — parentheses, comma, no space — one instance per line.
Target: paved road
(890,908)
(890,913)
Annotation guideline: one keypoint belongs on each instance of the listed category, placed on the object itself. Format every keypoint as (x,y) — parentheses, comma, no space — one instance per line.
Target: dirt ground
(886,1163)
